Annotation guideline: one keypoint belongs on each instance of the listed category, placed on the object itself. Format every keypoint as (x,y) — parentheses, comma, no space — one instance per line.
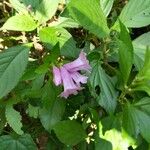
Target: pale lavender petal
(81,63)
(57,76)
(69,86)
(78,78)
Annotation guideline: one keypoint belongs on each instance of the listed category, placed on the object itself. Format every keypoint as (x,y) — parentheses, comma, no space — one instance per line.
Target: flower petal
(57,76)
(69,86)
(78,78)
(81,63)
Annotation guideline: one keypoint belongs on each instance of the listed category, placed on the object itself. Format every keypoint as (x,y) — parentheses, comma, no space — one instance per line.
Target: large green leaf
(106,6)
(54,107)
(136,14)
(137,118)
(13,62)
(69,132)
(89,15)
(46,10)
(108,95)
(20,23)
(140,45)
(23,142)
(125,54)
(13,118)
(51,35)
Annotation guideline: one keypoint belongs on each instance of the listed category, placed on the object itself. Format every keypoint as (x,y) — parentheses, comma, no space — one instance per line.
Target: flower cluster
(68,75)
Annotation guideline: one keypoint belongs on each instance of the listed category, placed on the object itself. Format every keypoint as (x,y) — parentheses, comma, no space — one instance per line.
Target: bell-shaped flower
(57,76)
(81,63)
(69,85)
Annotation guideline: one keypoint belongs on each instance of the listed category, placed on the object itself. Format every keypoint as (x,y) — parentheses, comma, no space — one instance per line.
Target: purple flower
(69,86)
(57,76)
(68,75)
(81,63)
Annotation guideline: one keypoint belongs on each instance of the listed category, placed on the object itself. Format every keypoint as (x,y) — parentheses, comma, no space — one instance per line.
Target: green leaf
(23,142)
(51,36)
(13,118)
(140,44)
(64,22)
(54,107)
(137,119)
(120,142)
(69,132)
(136,15)
(108,95)
(32,111)
(101,144)
(89,15)
(142,80)
(52,58)
(106,6)
(125,54)
(46,10)
(13,62)
(22,6)
(20,23)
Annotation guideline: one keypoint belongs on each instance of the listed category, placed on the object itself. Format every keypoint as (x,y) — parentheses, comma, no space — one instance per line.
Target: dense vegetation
(75,74)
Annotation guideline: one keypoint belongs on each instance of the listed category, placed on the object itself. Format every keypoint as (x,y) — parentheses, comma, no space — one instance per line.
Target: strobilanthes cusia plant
(70,77)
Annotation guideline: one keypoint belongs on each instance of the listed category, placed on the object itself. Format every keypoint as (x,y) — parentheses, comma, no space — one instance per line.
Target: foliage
(111,111)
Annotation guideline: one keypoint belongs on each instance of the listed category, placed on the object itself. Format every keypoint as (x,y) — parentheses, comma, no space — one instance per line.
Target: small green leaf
(136,15)
(13,62)
(20,23)
(89,15)
(69,132)
(32,111)
(14,118)
(51,36)
(46,10)
(23,142)
(107,97)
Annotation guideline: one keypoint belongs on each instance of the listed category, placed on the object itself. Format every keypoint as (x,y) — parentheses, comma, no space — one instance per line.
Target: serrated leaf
(20,23)
(89,15)
(23,142)
(32,111)
(140,44)
(13,62)
(14,118)
(54,107)
(108,95)
(51,36)
(138,119)
(69,132)
(136,14)
(106,6)
(46,10)
(125,54)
